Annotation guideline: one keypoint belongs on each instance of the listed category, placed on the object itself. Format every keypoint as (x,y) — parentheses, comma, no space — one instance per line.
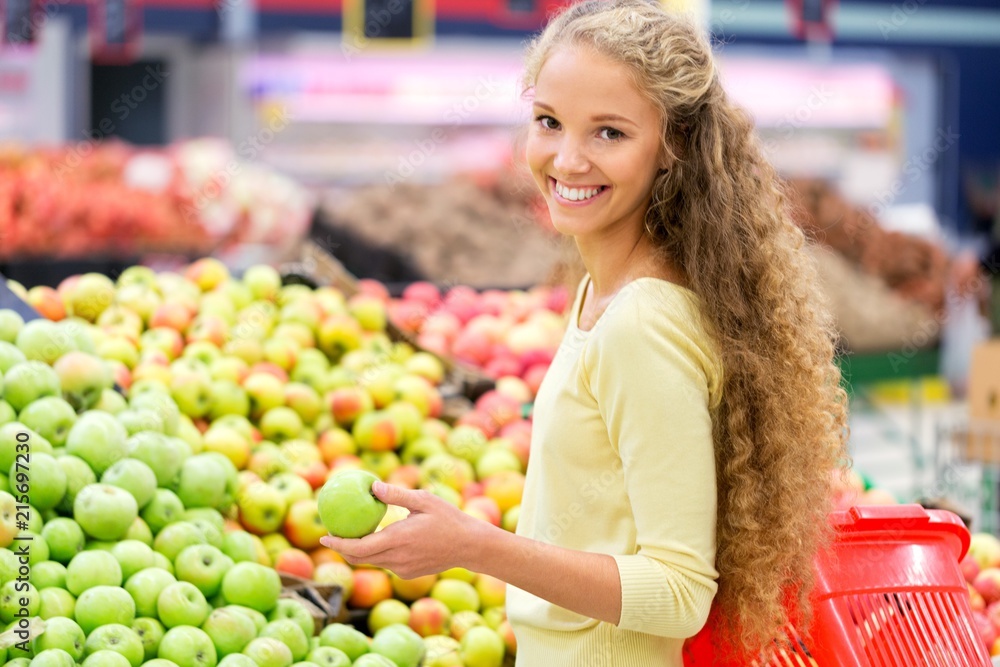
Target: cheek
(536,154)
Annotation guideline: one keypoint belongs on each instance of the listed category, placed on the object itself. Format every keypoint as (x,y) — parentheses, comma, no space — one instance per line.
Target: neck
(618,257)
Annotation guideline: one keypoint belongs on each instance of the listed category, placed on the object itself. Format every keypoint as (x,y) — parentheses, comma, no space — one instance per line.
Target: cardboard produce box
(981,441)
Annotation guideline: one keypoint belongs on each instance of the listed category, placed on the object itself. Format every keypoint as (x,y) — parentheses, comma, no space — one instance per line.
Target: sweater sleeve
(654,378)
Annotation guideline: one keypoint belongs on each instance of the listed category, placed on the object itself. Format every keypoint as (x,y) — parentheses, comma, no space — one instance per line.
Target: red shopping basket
(888,594)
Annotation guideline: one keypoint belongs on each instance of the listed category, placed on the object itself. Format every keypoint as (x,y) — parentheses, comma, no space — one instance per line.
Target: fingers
(395,495)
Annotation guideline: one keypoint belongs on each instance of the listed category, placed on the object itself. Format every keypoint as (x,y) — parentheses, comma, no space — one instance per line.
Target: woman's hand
(436,536)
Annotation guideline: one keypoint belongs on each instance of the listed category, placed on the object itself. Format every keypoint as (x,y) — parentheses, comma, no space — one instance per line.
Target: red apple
(970,568)
(429,616)
(173,315)
(487,507)
(47,302)
(335,442)
(371,586)
(987,584)
(295,562)
(348,403)
(303,526)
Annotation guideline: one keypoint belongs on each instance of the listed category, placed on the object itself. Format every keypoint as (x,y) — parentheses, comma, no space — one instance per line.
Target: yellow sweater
(622,463)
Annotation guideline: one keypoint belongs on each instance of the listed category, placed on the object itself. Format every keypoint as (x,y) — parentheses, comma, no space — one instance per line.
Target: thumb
(391,494)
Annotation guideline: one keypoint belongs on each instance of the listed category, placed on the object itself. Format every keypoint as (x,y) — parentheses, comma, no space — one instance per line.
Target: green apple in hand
(347,506)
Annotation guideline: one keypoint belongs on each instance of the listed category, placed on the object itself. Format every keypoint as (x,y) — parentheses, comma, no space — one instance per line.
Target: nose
(571,157)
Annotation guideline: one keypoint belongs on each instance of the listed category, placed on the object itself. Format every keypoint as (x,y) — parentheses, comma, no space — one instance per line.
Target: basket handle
(893,517)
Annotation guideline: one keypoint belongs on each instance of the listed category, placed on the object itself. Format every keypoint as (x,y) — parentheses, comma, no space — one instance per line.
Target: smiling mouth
(578,194)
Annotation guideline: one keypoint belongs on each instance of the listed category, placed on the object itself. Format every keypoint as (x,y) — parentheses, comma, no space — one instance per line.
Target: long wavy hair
(719,214)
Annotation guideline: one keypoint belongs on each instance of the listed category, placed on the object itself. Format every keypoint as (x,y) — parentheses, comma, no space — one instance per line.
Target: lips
(576,193)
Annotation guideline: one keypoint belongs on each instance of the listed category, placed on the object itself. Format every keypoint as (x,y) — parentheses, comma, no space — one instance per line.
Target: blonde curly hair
(720,215)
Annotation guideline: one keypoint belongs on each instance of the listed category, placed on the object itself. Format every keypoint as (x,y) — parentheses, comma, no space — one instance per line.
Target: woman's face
(594,146)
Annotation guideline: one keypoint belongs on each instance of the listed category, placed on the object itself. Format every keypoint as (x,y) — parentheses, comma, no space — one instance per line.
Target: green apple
(263,281)
(292,609)
(51,417)
(44,478)
(10,356)
(182,603)
(176,537)
(83,378)
(162,562)
(252,585)
(269,652)
(346,638)
(163,405)
(53,657)
(290,634)
(159,662)
(204,566)
(103,605)
(228,398)
(39,550)
(118,638)
(139,531)
(145,587)
(60,633)
(106,659)
(202,482)
(47,574)
(7,413)
(304,400)
(97,438)
(56,602)
(105,512)
(192,392)
(78,475)
(453,472)
(239,546)
(456,594)
(164,509)
(230,630)
(44,341)
(237,660)
(386,613)
(292,487)
(442,651)
(280,423)
(327,656)
(133,556)
(88,569)
(161,453)
(90,296)
(259,619)
(134,476)
(496,459)
(14,436)
(11,324)
(9,565)
(381,464)
(374,660)
(188,647)
(137,421)
(150,632)
(262,508)
(347,506)
(400,644)
(16,598)
(8,519)
(209,515)
(482,647)
(111,402)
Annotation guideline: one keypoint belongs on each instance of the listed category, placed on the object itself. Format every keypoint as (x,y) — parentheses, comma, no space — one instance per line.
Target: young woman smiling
(688,429)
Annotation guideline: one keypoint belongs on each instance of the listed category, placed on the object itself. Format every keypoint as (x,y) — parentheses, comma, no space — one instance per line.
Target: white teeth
(575,194)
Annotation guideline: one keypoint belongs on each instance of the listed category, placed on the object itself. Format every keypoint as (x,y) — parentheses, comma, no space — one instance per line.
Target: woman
(686,433)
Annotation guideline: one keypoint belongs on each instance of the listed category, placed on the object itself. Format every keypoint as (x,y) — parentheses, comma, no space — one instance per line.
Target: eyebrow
(602,118)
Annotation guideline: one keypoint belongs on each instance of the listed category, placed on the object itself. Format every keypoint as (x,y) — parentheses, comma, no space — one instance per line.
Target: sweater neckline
(575,320)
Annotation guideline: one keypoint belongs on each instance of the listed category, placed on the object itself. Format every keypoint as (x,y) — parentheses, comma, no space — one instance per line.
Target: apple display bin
(888,594)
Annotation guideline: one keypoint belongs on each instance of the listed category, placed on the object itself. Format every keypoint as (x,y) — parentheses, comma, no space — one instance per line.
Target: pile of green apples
(241,398)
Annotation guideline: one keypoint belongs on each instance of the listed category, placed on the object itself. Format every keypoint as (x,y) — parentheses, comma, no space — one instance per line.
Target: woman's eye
(611,134)
(548,122)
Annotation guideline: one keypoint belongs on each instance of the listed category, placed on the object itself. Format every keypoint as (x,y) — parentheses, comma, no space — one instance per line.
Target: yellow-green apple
(292,487)
(187,647)
(380,381)
(422,448)
(495,459)
(176,537)
(417,391)
(10,355)
(164,509)
(88,569)
(345,638)
(263,281)
(376,431)
(90,296)
(133,556)
(164,455)
(229,630)
(412,589)
(303,311)
(10,324)
(229,368)
(137,275)
(304,400)
(458,595)
(118,638)
(466,442)
(29,381)
(282,352)
(327,656)
(262,508)
(335,442)
(78,475)
(269,652)
(60,633)
(134,476)
(202,482)
(82,377)
(429,616)
(181,603)
(171,315)
(145,587)
(137,421)
(985,549)
(104,512)
(227,398)
(191,391)
(482,647)
(427,366)
(140,299)
(266,460)
(369,312)
(272,369)
(400,644)
(103,605)
(150,632)
(303,525)
(338,334)
(207,273)
(249,350)
(408,418)
(265,391)
(252,585)
(382,464)
(47,481)
(17,600)
(280,423)
(289,633)
(229,442)
(204,566)
(347,506)
(442,651)
(510,517)
(494,616)
(274,544)
(297,333)
(371,586)
(386,613)
(453,472)
(97,438)
(505,487)
(161,341)
(47,574)
(464,620)
(492,591)
(348,403)
(336,573)
(295,562)
(111,402)
(212,328)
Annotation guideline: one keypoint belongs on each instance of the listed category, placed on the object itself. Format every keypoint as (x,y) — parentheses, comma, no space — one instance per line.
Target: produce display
(115,200)
(160,516)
